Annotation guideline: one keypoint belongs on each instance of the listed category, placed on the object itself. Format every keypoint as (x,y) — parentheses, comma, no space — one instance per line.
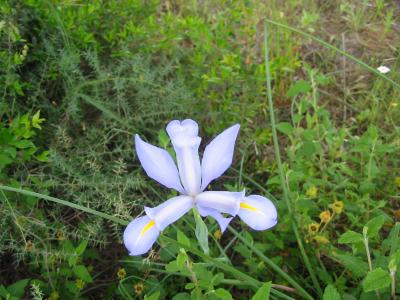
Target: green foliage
(79,79)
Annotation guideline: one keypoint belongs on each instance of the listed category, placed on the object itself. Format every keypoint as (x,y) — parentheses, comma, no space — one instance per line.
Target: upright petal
(224,202)
(158,164)
(218,155)
(140,235)
(258,212)
(184,138)
(169,211)
(223,222)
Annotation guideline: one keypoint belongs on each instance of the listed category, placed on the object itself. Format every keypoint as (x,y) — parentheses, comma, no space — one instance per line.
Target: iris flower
(190,178)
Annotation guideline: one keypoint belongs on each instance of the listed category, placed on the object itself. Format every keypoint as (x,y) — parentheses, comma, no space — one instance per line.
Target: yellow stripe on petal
(248,206)
(147,227)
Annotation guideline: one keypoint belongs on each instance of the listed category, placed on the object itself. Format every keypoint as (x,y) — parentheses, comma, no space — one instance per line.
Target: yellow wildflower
(312,192)
(80,284)
(60,235)
(138,287)
(397,181)
(121,274)
(337,206)
(325,216)
(313,228)
(217,234)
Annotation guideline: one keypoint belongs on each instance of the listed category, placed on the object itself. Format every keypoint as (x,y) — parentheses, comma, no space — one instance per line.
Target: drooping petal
(184,138)
(140,235)
(258,212)
(223,222)
(218,155)
(169,211)
(158,164)
(224,202)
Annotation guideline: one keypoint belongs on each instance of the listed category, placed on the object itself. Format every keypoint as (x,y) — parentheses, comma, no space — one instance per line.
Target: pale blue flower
(190,179)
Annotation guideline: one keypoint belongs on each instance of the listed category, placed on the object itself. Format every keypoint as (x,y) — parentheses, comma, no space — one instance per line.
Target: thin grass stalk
(329,46)
(66,203)
(280,167)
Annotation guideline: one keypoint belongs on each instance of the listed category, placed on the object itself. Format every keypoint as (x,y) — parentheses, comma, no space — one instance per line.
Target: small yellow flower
(54,295)
(80,284)
(218,234)
(337,206)
(121,274)
(321,240)
(60,235)
(138,287)
(397,181)
(313,228)
(312,192)
(325,216)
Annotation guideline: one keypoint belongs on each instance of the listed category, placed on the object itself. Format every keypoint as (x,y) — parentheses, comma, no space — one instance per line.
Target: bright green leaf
(17,289)
(223,294)
(182,238)
(375,280)
(350,237)
(285,128)
(201,232)
(331,293)
(81,272)
(263,292)
(374,225)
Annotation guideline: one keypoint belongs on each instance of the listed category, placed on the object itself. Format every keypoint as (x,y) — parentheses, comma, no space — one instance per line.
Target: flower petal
(169,211)
(140,235)
(258,212)
(218,155)
(224,202)
(223,222)
(158,164)
(184,138)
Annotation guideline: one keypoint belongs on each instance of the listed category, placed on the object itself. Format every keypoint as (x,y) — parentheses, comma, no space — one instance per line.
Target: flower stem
(280,167)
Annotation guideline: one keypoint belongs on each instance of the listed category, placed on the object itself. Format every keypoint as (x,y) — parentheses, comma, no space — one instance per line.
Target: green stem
(280,167)
(66,203)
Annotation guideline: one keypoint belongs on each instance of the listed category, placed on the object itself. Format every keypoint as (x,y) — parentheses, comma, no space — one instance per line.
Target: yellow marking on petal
(248,206)
(147,227)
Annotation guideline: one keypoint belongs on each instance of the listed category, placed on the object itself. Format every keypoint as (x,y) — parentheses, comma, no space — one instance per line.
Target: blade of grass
(280,167)
(66,203)
(329,46)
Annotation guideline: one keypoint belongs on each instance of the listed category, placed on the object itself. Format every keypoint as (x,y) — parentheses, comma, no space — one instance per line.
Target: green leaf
(182,238)
(285,128)
(23,144)
(81,248)
(263,292)
(5,160)
(17,289)
(374,225)
(354,264)
(81,272)
(223,294)
(36,120)
(350,237)
(375,280)
(154,296)
(181,259)
(331,293)
(298,87)
(307,149)
(43,157)
(201,232)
